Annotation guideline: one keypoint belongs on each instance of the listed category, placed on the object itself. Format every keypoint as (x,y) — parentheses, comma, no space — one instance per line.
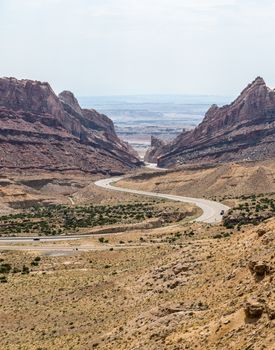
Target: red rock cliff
(40,131)
(243,130)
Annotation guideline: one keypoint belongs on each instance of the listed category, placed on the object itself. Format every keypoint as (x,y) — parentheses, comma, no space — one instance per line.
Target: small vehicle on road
(36,239)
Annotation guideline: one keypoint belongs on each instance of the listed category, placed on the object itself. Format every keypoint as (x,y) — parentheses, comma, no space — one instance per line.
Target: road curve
(211,213)
(211,210)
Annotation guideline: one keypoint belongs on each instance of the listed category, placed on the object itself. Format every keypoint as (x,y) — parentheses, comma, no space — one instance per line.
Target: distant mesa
(42,132)
(241,131)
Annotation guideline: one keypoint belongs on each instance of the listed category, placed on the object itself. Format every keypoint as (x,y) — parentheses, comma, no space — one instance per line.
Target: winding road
(211,213)
(211,210)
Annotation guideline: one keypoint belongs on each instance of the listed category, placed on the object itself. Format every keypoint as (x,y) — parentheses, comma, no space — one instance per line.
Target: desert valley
(175,253)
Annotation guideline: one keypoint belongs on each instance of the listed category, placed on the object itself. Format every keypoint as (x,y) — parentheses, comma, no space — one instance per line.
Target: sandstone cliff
(243,130)
(155,150)
(40,131)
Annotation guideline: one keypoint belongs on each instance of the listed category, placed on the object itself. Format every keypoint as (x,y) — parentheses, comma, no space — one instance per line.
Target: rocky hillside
(172,288)
(243,130)
(41,132)
(155,151)
(213,182)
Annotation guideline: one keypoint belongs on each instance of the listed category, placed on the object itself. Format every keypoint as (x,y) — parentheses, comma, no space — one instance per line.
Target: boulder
(253,308)
(270,310)
(259,268)
(261,232)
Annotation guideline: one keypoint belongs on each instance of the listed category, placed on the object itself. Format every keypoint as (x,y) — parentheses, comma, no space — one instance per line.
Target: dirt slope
(187,290)
(232,179)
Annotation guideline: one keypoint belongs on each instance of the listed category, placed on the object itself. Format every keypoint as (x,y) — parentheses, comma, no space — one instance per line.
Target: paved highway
(211,209)
(211,212)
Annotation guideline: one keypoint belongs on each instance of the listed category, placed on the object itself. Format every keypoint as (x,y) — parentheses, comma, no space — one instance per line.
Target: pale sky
(113,47)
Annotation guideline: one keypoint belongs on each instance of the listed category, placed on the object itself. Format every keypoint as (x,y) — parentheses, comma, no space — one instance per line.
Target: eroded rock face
(253,308)
(270,310)
(154,151)
(68,98)
(40,131)
(259,268)
(243,130)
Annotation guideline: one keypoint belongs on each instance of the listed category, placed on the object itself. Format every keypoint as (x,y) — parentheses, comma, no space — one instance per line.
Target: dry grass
(227,180)
(183,286)
(166,293)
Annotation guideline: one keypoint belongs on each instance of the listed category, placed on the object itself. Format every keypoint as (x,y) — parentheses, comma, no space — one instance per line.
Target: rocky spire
(69,98)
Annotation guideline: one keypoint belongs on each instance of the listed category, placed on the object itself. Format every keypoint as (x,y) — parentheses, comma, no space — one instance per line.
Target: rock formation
(154,152)
(243,130)
(40,131)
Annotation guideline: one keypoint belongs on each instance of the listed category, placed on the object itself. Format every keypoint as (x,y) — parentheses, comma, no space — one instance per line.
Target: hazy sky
(112,47)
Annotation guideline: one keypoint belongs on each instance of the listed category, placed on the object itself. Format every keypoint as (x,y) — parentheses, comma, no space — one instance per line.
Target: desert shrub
(25,270)
(15,270)
(3,279)
(5,268)
(57,219)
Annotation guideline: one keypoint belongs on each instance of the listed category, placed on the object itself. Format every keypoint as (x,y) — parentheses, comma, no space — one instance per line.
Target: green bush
(25,270)
(5,268)
(3,279)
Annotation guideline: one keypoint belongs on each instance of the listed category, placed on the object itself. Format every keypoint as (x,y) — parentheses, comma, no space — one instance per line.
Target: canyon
(87,267)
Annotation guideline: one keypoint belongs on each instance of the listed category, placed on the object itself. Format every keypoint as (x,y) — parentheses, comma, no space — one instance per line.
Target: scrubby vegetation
(250,210)
(59,219)
(7,268)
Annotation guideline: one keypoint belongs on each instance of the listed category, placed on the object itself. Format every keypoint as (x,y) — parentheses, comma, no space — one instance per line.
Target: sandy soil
(220,182)
(183,286)
(180,289)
